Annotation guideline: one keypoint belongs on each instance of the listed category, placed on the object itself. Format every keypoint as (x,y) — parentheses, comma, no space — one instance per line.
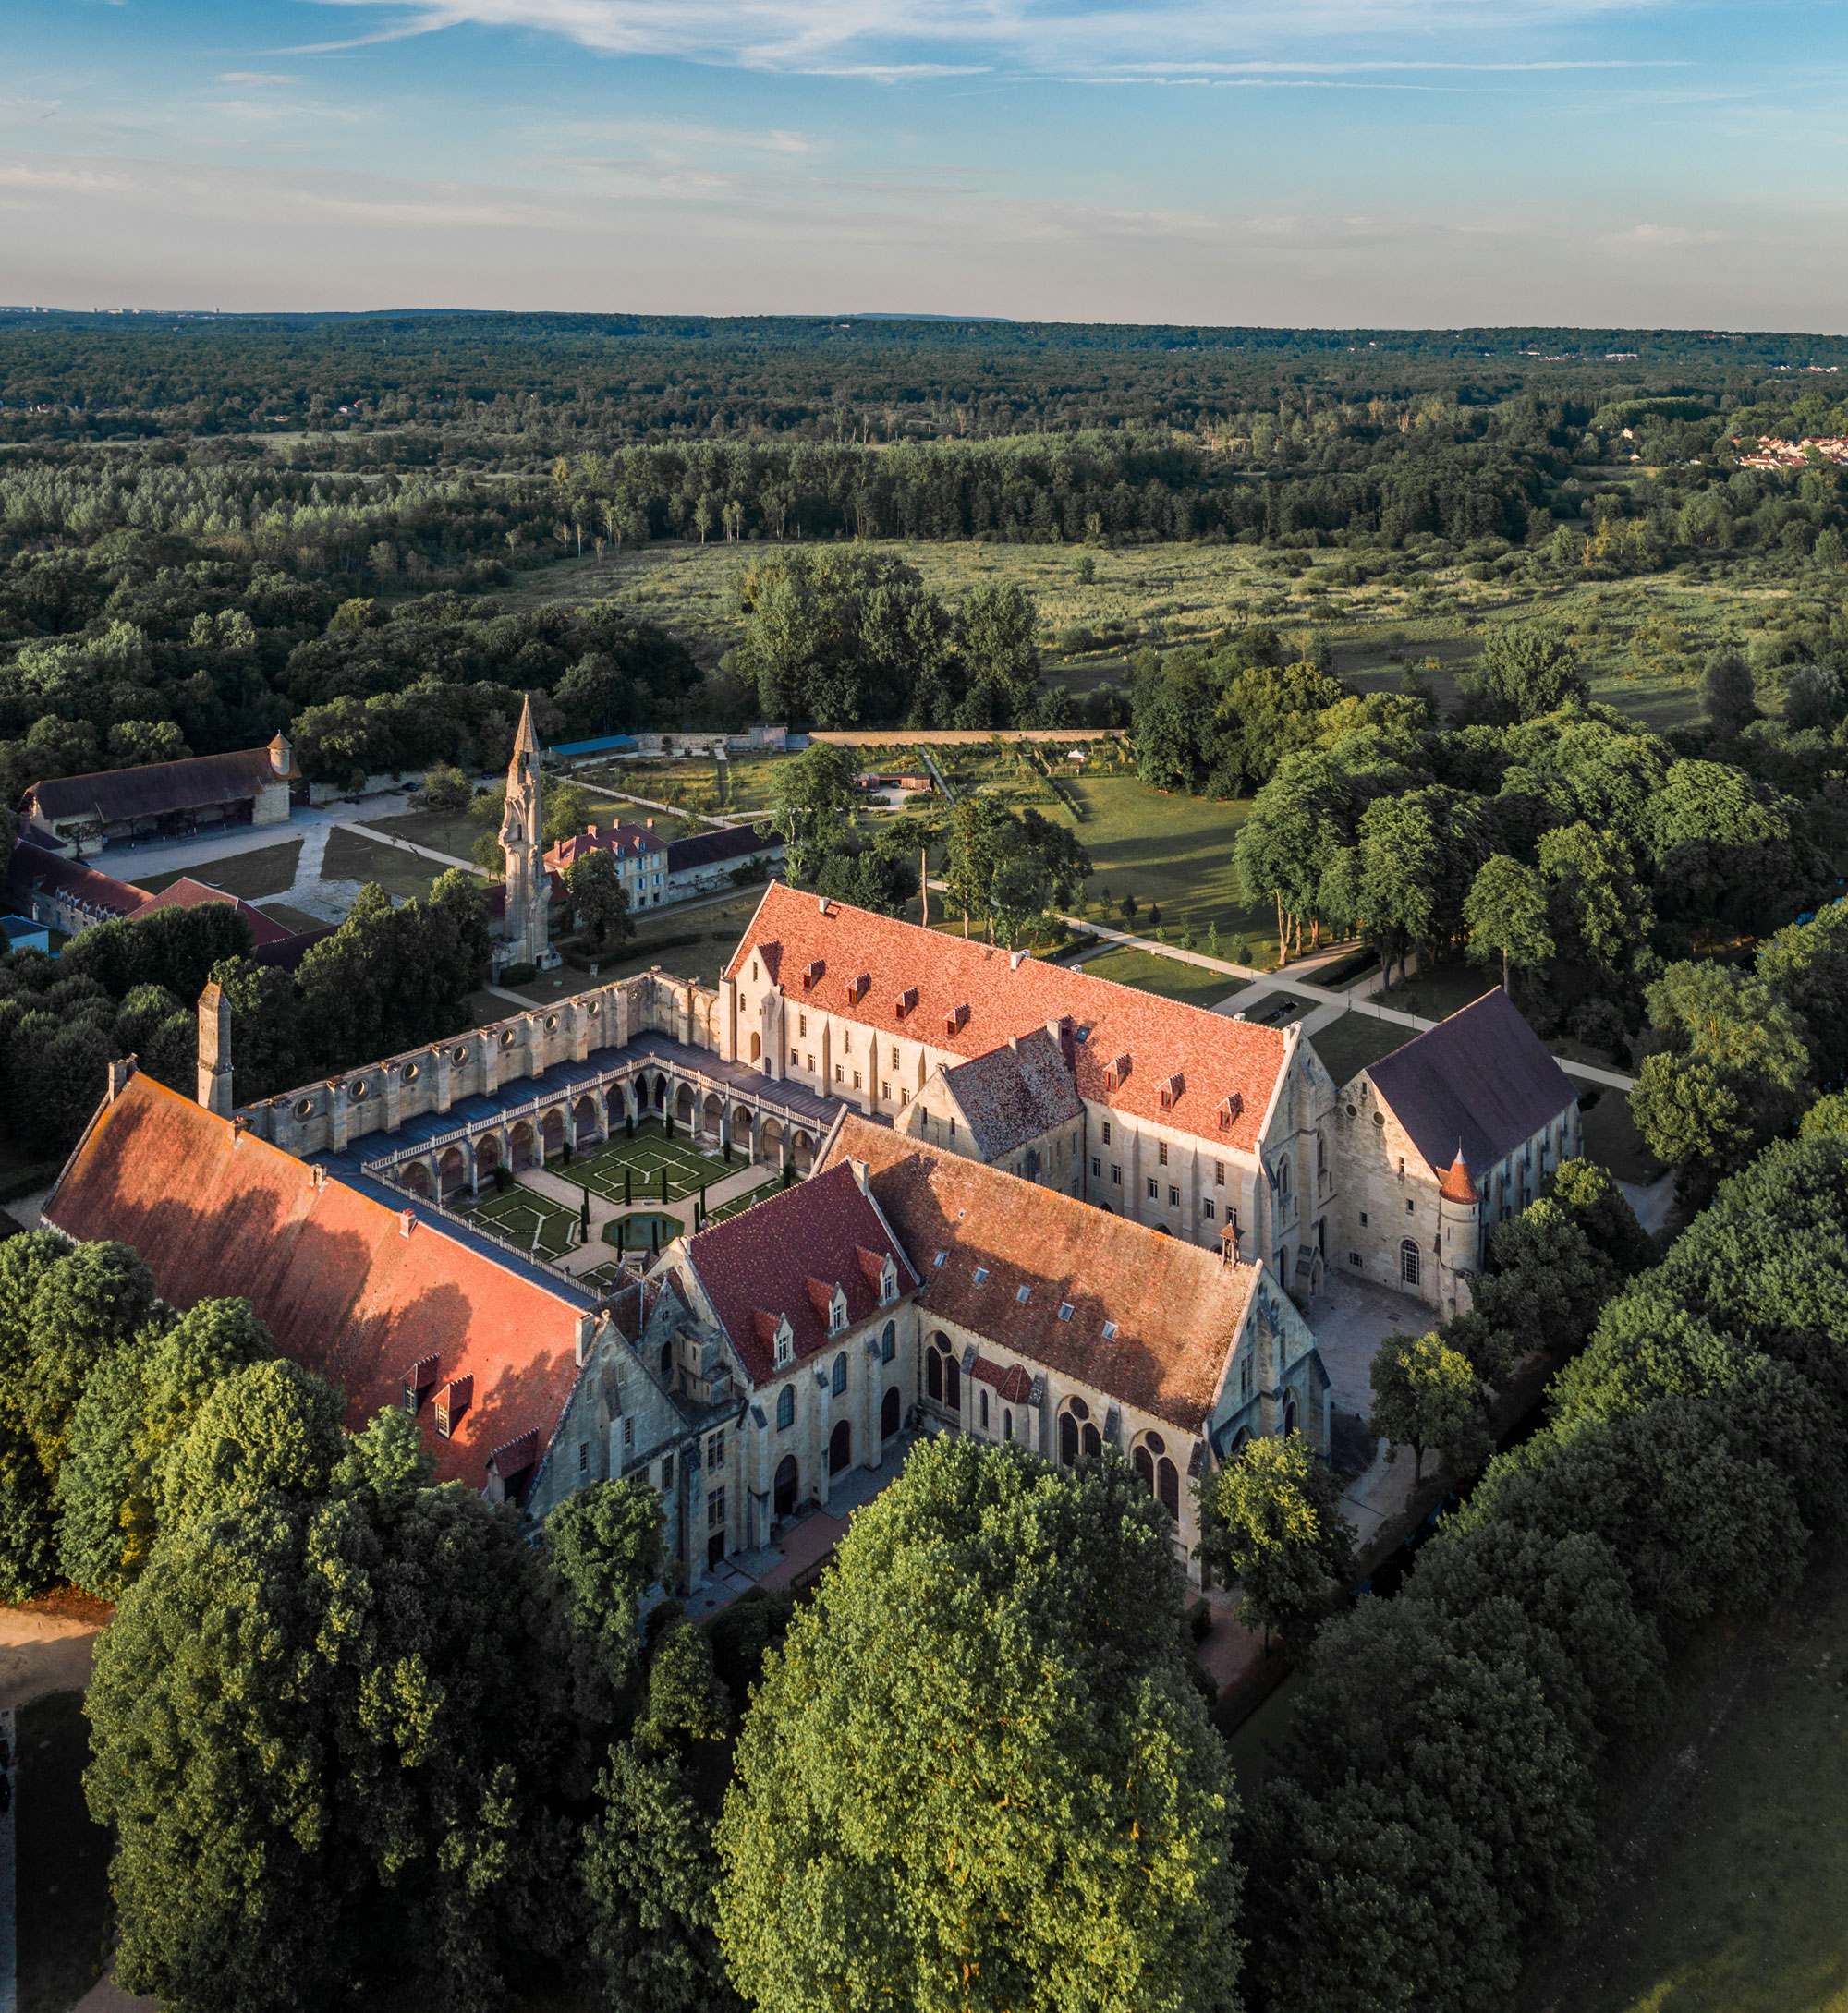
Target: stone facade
(525,938)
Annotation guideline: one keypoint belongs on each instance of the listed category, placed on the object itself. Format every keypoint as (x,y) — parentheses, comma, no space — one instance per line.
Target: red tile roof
(786,1256)
(152,789)
(1176,1310)
(36,868)
(1457,1184)
(187,894)
(1217,1058)
(630,839)
(1010,1380)
(342,1289)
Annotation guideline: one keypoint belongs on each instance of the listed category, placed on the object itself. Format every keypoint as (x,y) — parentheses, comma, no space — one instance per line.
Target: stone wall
(327,1117)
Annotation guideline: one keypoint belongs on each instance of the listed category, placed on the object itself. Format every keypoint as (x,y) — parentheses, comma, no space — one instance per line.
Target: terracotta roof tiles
(1012,994)
(1175,1310)
(341,1286)
(785,1257)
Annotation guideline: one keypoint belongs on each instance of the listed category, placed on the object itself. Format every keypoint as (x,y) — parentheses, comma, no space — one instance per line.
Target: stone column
(214,1050)
(443,1066)
(336,1116)
(394,1096)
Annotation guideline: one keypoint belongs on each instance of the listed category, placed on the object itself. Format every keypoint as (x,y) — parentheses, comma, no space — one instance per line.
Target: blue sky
(1337,161)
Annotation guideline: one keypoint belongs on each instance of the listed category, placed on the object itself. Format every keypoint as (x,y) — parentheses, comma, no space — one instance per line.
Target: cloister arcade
(714,1116)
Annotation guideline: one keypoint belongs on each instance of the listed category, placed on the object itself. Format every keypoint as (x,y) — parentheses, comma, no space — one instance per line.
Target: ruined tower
(214,1050)
(525,938)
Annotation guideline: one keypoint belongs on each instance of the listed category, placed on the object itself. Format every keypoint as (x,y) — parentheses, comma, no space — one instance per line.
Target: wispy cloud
(891,39)
(257,77)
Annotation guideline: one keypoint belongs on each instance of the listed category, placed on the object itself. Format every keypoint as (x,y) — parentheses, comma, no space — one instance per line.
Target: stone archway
(520,1146)
(744,1129)
(769,1139)
(551,1129)
(685,1103)
(840,1448)
(789,1480)
(890,1411)
(452,1171)
(414,1179)
(756,1049)
(712,1114)
(487,1153)
(584,1117)
(801,1152)
(657,1094)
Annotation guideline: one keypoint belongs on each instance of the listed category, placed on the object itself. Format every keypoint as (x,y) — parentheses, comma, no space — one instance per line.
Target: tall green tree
(1424,1395)
(977,1773)
(325,1729)
(1533,669)
(1270,1519)
(1505,913)
(814,798)
(593,886)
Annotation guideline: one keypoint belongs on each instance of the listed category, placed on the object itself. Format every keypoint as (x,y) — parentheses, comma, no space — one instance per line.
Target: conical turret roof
(526,742)
(1458,1184)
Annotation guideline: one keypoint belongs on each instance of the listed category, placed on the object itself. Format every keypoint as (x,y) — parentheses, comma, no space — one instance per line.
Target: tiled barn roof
(769,1261)
(342,1288)
(1172,1310)
(1216,1059)
(152,789)
(1012,1094)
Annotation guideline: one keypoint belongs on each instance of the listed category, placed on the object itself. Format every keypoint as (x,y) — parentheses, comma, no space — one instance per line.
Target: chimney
(586,1338)
(214,1050)
(119,1073)
(859,1168)
(822,904)
(650,824)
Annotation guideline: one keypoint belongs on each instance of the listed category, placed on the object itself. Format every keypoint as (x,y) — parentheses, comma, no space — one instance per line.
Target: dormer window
(858,988)
(1171,1089)
(786,1341)
(837,1313)
(1229,1109)
(981,1275)
(907,1001)
(812,971)
(1110,1331)
(888,1283)
(1117,1074)
(956,1020)
(417,1383)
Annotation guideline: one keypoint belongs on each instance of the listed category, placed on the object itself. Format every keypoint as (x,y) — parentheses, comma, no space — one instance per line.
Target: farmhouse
(78,815)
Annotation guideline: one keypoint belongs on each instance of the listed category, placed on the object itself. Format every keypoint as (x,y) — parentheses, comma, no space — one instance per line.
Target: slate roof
(1013,1094)
(341,1286)
(36,868)
(1479,1084)
(1208,1057)
(769,1260)
(153,788)
(1176,1309)
(714,848)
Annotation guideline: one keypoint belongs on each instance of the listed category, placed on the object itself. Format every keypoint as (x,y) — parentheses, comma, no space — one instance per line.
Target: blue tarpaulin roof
(598,747)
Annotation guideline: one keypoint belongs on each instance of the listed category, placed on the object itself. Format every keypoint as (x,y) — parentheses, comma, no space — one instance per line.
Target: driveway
(1350,1319)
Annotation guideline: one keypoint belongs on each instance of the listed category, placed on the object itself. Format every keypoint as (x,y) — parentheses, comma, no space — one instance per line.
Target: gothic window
(984,1412)
(953,1384)
(933,1375)
(840,1373)
(1408,1262)
(888,1345)
(1068,1439)
(786,1408)
(1168,1486)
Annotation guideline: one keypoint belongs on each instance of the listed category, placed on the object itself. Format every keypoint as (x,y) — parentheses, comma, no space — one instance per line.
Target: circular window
(506,1037)
(1156,1444)
(1079,1410)
(304,1108)
(459,1053)
(358,1091)
(551,1021)
(410,1072)
(1380,1118)
(1354,1112)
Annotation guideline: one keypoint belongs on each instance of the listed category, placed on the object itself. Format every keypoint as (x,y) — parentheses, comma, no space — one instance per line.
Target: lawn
(1727,1887)
(350,856)
(1172,977)
(527,1220)
(1356,1041)
(715,927)
(1441,990)
(265,870)
(296,919)
(62,1858)
(1611,1138)
(643,1159)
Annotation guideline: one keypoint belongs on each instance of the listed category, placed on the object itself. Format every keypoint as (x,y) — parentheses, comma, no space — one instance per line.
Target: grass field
(62,1858)
(1356,1041)
(1728,1887)
(1169,977)
(292,919)
(265,870)
(1642,639)
(350,856)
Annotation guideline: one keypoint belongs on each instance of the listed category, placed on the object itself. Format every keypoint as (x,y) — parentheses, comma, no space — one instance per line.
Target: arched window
(1408,1262)
(953,1384)
(1007,1425)
(888,1343)
(1079,1409)
(888,1414)
(933,1373)
(1068,1439)
(840,1448)
(667,1359)
(783,1502)
(1143,1461)
(1290,1414)
(840,1373)
(1093,1441)
(984,1412)
(786,1407)
(1168,1486)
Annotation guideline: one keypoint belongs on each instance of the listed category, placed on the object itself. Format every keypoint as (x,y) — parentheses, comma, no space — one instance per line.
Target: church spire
(526,742)
(528,886)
